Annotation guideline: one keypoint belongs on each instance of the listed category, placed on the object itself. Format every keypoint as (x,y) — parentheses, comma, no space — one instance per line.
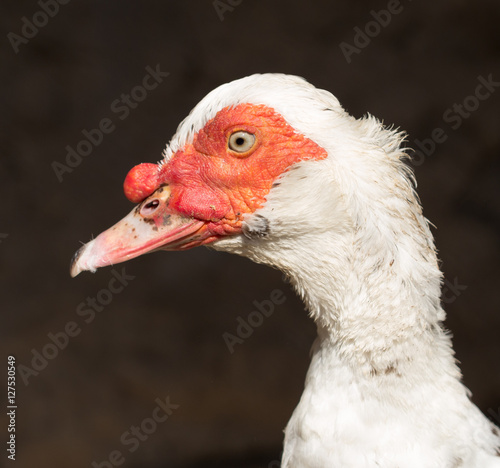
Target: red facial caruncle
(214,182)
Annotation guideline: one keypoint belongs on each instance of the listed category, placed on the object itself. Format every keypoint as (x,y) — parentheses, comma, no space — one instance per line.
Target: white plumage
(383,389)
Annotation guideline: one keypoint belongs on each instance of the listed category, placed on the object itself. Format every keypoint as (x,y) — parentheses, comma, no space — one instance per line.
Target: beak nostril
(152,204)
(150,207)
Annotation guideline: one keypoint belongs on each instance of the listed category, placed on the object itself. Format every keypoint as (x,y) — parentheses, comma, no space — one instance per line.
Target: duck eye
(241,142)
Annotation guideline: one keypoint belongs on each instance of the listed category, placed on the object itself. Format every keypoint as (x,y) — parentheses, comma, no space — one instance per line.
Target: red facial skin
(212,183)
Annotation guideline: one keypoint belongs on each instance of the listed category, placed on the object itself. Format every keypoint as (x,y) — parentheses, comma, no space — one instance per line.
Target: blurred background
(160,335)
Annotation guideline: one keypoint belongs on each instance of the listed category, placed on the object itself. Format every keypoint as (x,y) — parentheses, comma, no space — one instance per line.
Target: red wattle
(141,181)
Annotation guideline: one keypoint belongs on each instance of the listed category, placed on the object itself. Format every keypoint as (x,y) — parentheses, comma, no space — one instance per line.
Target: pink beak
(151,225)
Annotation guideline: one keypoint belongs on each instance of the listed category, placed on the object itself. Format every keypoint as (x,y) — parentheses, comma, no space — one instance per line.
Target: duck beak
(151,225)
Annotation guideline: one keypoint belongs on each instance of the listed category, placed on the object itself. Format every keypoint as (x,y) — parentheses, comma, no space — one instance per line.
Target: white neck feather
(374,298)
(383,388)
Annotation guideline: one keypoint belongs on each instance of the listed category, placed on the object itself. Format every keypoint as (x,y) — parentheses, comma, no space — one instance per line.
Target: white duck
(272,168)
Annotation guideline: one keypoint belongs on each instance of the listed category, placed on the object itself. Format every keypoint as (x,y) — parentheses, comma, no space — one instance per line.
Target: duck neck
(378,313)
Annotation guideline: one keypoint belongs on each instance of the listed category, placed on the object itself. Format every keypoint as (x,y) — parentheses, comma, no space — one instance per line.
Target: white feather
(383,389)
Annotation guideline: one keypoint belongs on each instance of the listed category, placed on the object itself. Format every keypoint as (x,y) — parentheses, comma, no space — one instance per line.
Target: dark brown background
(163,334)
